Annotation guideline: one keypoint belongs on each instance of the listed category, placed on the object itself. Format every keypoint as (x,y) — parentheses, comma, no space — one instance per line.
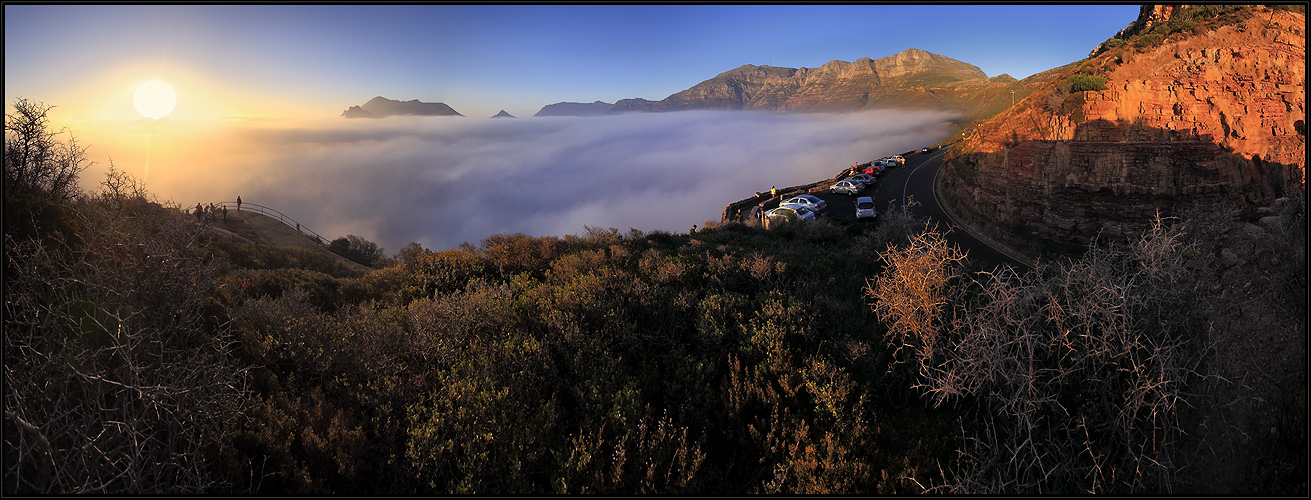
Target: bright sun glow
(154,99)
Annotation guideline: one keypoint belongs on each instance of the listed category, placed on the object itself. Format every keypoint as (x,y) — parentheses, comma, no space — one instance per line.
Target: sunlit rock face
(1209,115)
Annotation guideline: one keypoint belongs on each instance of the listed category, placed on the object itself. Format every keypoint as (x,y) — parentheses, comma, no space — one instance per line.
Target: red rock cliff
(1212,112)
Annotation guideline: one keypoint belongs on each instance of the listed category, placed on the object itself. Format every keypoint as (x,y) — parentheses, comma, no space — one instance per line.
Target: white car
(900,160)
(806,200)
(798,213)
(865,208)
(849,187)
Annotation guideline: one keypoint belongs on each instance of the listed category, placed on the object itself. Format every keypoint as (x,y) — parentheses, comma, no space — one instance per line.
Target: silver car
(849,187)
(806,200)
(865,208)
(799,213)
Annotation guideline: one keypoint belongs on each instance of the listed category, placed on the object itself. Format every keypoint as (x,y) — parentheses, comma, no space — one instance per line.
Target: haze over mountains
(911,79)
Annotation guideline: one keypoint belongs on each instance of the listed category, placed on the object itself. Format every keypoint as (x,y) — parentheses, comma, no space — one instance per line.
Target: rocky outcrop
(381,107)
(1149,16)
(1203,117)
(912,78)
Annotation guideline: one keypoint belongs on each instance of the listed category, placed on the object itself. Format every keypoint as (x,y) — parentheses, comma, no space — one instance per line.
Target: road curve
(915,180)
(920,176)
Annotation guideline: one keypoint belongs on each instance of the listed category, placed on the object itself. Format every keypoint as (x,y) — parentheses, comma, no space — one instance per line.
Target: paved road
(914,180)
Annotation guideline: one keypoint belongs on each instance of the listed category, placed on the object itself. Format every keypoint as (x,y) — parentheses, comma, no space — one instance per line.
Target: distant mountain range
(913,79)
(380,107)
(910,79)
(575,109)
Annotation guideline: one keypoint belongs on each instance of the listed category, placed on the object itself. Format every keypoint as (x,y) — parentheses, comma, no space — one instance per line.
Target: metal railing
(283,218)
(290,222)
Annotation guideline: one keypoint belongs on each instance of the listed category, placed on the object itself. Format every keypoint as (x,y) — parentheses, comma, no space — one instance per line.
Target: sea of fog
(442,181)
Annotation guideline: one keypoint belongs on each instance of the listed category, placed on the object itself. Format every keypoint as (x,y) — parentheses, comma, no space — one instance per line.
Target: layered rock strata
(1204,117)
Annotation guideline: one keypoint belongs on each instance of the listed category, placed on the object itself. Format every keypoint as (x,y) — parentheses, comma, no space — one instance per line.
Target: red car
(873,169)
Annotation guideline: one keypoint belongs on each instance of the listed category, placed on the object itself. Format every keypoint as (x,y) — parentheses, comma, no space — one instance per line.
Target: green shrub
(1073,107)
(1148,41)
(1114,42)
(357,249)
(1080,83)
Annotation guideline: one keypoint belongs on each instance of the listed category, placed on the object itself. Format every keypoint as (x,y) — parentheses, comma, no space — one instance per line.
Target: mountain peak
(574,109)
(910,78)
(380,107)
(503,114)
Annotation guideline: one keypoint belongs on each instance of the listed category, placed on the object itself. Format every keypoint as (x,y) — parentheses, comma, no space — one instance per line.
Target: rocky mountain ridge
(575,109)
(1208,107)
(912,78)
(381,107)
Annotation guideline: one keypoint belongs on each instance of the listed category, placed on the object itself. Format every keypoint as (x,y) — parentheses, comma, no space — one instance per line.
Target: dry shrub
(1086,363)
(912,292)
(118,376)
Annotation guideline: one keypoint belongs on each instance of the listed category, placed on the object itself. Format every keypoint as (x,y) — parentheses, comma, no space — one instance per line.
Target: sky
(259,91)
(253,60)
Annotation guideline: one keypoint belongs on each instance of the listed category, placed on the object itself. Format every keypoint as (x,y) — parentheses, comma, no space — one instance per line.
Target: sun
(154,99)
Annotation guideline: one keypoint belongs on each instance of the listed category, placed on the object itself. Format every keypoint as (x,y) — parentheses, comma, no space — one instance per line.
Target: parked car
(866,179)
(797,213)
(806,200)
(873,169)
(848,187)
(900,160)
(865,208)
(924,150)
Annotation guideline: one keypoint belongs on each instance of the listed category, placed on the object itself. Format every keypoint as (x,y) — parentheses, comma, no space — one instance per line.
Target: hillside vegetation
(145,354)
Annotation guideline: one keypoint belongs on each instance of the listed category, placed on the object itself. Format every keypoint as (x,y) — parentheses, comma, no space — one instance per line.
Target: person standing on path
(238,203)
(225,212)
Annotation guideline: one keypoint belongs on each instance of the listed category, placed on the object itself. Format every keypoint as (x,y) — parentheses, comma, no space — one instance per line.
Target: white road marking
(912,173)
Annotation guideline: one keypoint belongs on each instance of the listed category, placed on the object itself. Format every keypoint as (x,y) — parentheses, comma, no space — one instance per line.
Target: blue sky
(316,60)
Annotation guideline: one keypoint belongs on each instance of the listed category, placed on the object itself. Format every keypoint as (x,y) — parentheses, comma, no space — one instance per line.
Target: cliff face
(912,78)
(1212,113)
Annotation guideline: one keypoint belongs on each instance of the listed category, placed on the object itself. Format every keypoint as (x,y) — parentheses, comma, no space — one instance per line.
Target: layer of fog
(441,181)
